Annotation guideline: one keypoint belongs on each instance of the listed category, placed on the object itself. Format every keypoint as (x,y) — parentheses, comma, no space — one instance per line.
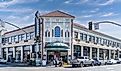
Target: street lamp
(2,24)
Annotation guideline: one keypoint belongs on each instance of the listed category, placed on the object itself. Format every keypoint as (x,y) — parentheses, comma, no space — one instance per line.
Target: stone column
(118,54)
(90,53)
(114,54)
(13,52)
(31,51)
(7,53)
(104,54)
(21,53)
(82,50)
(72,51)
(98,53)
(109,54)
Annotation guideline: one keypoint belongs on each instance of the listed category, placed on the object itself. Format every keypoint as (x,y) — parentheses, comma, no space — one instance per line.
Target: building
(60,37)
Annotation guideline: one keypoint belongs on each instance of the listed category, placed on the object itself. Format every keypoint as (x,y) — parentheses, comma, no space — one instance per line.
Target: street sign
(96,26)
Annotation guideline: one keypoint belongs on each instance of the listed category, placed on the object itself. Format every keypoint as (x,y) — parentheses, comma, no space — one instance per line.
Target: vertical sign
(37,24)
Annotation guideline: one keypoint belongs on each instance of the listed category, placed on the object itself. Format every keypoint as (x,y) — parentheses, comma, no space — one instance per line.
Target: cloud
(76,1)
(95,10)
(108,14)
(12,10)
(108,2)
(86,16)
(91,2)
(13,2)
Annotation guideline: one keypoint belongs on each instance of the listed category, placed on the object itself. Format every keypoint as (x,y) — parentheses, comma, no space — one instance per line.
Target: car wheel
(100,64)
(92,64)
(105,63)
(81,64)
(73,65)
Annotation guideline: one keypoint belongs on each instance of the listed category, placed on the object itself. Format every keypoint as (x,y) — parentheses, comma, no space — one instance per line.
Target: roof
(57,13)
(75,24)
(19,29)
(95,32)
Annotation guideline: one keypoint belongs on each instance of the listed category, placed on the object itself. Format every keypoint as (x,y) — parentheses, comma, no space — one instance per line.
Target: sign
(2,24)
(37,24)
(96,26)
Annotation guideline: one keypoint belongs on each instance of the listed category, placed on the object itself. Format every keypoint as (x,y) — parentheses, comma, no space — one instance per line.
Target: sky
(21,12)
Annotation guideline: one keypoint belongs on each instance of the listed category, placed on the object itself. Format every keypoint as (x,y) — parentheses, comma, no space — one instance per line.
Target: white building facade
(61,38)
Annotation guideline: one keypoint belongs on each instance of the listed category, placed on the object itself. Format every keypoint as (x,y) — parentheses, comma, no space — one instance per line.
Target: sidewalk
(17,64)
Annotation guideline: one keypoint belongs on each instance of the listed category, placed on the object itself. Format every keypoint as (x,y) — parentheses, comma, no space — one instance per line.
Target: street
(95,68)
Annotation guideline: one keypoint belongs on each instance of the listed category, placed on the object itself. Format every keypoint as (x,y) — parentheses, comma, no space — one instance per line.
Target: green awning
(57,46)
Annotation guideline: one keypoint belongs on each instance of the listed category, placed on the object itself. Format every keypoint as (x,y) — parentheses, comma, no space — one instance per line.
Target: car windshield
(95,59)
(81,57)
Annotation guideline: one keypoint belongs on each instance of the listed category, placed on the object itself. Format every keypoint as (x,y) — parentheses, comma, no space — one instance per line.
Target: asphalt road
(116,67)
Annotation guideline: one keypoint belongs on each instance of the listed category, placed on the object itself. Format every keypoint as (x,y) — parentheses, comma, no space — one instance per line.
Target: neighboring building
(60,38)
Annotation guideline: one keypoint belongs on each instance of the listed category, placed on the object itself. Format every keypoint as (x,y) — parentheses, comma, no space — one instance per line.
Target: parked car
(96,62)
(2,61)
(103,61)
(111,61)
(82,61)
(118,60)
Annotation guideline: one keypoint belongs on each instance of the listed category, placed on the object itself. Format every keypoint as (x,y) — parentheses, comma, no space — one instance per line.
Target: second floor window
(81,36)
(75,34)
(57,31)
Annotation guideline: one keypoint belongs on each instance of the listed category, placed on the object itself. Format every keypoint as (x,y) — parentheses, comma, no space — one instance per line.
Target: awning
(57,46)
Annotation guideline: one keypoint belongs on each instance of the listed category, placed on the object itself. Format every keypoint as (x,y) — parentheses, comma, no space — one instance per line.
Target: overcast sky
(21,12)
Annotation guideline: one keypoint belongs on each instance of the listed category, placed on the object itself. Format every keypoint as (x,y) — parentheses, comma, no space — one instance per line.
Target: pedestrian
(60,62)
(55,62)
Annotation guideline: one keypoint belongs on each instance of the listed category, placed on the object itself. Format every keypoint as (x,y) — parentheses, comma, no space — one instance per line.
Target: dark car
(96,62)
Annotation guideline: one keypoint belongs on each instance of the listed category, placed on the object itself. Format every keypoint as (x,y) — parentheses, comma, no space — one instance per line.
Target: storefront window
(77,50)
(18,54)
(4,53)
(26,53)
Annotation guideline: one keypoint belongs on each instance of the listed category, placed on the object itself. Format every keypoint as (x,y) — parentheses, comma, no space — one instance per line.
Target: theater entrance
(57,50)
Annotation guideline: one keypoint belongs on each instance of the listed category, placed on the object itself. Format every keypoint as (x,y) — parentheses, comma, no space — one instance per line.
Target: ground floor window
(86,51)
(26,53)
(94,53)
(10,54)
(77,50)
(4,53)
(18,54)
(101,54)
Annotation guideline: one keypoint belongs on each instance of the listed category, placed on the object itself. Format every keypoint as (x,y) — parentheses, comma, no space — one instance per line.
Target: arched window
(61,33)
(57,31)
(47,33)
(67,34)
(52,33)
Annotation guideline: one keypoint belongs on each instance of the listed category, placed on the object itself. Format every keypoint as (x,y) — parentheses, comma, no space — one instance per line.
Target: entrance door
(51,54)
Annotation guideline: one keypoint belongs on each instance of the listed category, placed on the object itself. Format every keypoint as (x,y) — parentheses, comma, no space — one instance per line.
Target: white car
(2,60)
(111,61)
(118,60)
(82,61)
(103,62)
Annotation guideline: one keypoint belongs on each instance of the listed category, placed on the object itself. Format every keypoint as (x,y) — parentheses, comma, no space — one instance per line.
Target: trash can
(44,62)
